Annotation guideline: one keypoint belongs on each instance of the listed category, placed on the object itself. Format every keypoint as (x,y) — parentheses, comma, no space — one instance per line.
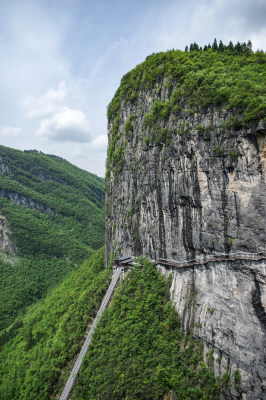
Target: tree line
(238,48)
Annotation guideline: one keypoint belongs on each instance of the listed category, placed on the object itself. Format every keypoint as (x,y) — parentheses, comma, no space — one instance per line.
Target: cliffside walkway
(213,258)
(83,351)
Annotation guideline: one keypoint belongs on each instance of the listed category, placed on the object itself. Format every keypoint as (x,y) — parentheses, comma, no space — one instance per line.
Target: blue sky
(62,61)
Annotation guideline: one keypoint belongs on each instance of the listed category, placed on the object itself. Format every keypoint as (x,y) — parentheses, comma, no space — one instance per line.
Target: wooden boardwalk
(213,258)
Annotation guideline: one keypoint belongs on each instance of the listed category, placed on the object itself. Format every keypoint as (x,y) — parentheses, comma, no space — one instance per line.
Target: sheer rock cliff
(203,192)
(224,305)
(187,187)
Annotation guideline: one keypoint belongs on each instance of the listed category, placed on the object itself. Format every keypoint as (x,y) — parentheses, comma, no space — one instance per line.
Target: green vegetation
(232,76)
(25,282)
(75,198)
(129,126)
(139,350)
(56,219)
(226,378)
(218,150)
(233,154)
(237,380)
(37,347)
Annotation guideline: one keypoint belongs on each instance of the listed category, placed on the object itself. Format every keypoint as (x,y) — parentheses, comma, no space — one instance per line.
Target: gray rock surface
(198,194)
(4,169)
(25,201)
(224,303)
(6,244)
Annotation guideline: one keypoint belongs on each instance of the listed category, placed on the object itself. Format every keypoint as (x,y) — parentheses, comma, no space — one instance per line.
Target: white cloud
(10,131)
(65,125)
(96,147)
(99,143)
(258,40)
(46,105)
(44,42)
(202,21)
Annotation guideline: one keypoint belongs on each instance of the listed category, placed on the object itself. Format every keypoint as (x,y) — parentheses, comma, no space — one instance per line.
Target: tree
(194,47)
(221,46)
(230,46)
(249,46)
(215,45)
(238,48)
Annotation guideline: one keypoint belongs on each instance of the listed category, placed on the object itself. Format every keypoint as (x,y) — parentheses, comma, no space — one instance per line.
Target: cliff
(224,304)
(186,180)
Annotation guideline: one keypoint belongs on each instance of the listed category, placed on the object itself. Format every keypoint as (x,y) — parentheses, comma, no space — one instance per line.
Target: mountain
(51,218)
(186,181)
(186,156)
(36,348)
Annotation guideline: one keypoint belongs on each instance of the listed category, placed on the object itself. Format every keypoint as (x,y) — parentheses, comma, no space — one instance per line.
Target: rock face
(186,187)
(7,245)
(4,169)
(25,201)
(224,304)
(203,192)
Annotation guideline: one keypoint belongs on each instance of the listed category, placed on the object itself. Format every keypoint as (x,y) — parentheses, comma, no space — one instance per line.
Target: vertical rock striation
(201,193)
(185,181)
(224,304)
(6,244)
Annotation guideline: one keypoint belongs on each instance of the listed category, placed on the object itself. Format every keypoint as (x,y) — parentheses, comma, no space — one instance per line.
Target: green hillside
(55,212)
(138,351)
(38,346)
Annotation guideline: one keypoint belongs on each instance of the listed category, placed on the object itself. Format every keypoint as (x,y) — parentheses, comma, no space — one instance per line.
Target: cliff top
(194,81)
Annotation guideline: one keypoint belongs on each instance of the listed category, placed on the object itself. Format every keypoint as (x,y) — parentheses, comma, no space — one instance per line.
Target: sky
(61,62)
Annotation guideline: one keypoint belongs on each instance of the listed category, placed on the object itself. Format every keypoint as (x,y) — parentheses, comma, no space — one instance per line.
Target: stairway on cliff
(70,382)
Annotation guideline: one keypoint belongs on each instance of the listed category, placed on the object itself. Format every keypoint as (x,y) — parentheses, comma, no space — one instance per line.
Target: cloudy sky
(62,61)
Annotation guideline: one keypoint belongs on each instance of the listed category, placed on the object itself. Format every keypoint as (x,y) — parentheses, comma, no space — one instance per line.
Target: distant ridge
(52,218)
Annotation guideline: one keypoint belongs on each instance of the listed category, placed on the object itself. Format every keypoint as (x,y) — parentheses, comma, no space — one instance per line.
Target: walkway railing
(213,258)
(84,348)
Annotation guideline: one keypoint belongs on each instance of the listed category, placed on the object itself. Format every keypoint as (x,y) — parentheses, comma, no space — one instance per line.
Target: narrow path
(213,258)
(83,351)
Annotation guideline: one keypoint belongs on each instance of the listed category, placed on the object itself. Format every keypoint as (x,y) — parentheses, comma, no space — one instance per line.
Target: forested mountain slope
(51,217)
(138,352)
(38,346)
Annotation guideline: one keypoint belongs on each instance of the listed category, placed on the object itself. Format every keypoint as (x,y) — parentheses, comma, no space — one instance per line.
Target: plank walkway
(83,351)
(213,258)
